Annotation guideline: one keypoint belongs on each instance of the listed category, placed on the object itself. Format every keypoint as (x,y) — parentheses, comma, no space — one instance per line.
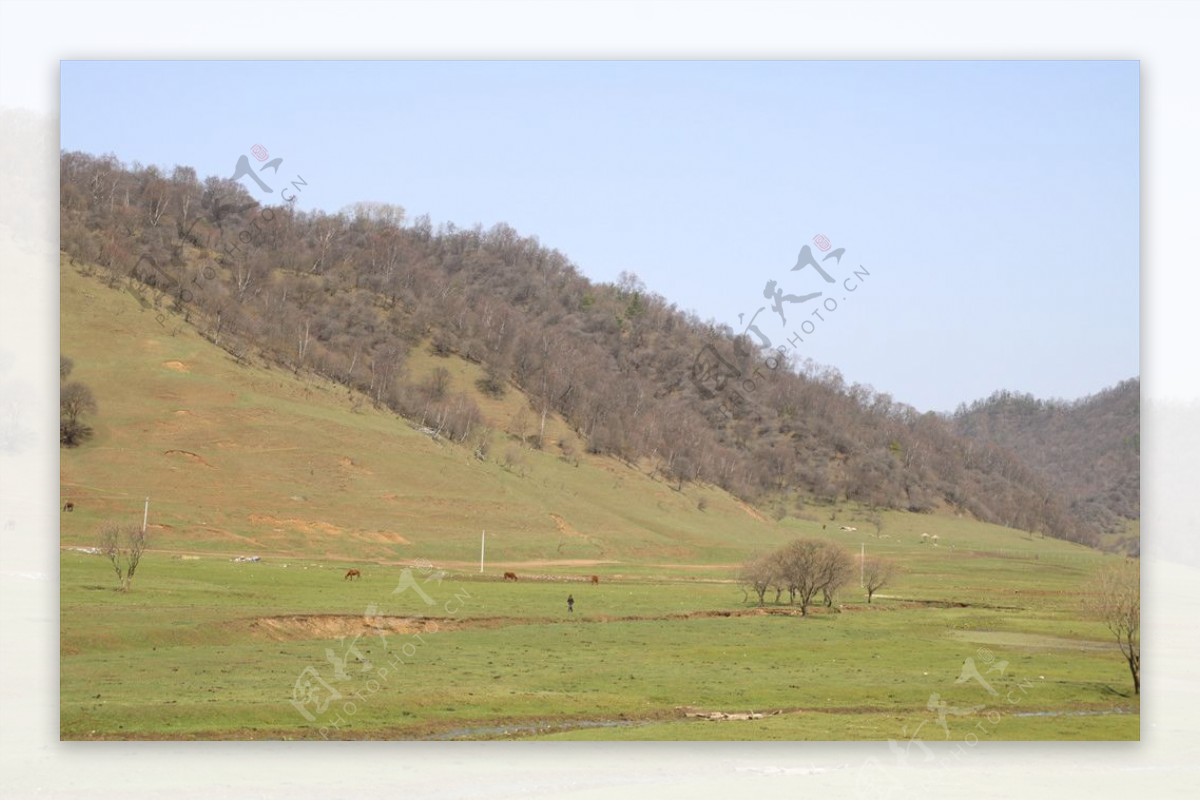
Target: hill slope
(350,297)
(240,458)
(1088,450)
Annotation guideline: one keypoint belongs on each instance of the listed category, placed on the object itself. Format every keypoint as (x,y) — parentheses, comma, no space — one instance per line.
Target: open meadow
(209,648)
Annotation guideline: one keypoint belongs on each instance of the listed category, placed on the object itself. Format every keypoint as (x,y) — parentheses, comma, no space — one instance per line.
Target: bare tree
(123,545)
(836,567)
(801,563)
(65,365)
(74,400)
(759,572)
(877,573)
(493,381)
(438,384)
(1117,602)
(514,460)
(519,425)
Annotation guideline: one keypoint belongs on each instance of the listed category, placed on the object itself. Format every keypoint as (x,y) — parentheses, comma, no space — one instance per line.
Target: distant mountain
(350,297)
(1087,450)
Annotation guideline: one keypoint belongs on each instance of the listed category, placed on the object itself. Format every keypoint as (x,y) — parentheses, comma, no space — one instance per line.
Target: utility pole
(862,561)
(482,542)
(145,515)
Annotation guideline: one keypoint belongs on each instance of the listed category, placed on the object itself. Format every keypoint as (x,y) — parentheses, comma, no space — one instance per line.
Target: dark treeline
(348,296)
(1088,449)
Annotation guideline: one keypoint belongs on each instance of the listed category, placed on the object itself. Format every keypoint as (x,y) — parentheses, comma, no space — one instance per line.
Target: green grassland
(243,459)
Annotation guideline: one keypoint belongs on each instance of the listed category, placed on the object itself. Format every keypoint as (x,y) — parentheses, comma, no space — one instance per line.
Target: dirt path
(337,561)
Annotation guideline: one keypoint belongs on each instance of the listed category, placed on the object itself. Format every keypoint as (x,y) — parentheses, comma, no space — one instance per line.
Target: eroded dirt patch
(329,627)
(194,457)
(305,526)
(177,366)
(750,510)
(282,524)
(346,463)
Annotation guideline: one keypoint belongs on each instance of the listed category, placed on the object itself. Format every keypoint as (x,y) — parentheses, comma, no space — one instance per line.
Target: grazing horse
(352,574)
(69,506)
(510,576)
(595,579)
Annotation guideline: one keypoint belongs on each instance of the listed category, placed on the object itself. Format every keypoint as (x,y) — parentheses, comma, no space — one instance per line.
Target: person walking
(570,603)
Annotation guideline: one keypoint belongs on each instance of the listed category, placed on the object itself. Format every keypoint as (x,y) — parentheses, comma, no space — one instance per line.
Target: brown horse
(352,574)
(510,576)
(595,579)
(69,506)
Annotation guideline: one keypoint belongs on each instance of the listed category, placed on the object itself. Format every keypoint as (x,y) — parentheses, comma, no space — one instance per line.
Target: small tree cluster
(493,381)
(802,569)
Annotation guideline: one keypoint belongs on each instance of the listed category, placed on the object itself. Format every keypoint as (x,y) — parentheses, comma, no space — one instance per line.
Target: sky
(986,213)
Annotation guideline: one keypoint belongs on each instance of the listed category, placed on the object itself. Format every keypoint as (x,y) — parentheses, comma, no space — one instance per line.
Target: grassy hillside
(361,297)
(247,459)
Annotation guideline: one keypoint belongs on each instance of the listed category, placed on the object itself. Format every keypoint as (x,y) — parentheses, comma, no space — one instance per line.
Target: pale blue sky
(995,204)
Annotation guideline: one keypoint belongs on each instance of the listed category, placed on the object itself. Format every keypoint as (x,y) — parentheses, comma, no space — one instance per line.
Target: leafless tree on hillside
(75,400)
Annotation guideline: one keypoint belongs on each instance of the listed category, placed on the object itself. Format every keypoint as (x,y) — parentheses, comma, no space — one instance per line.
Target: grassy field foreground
(207,648)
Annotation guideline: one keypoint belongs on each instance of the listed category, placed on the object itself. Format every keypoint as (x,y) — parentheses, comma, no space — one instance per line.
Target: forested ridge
(348,296)
(1089,449)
